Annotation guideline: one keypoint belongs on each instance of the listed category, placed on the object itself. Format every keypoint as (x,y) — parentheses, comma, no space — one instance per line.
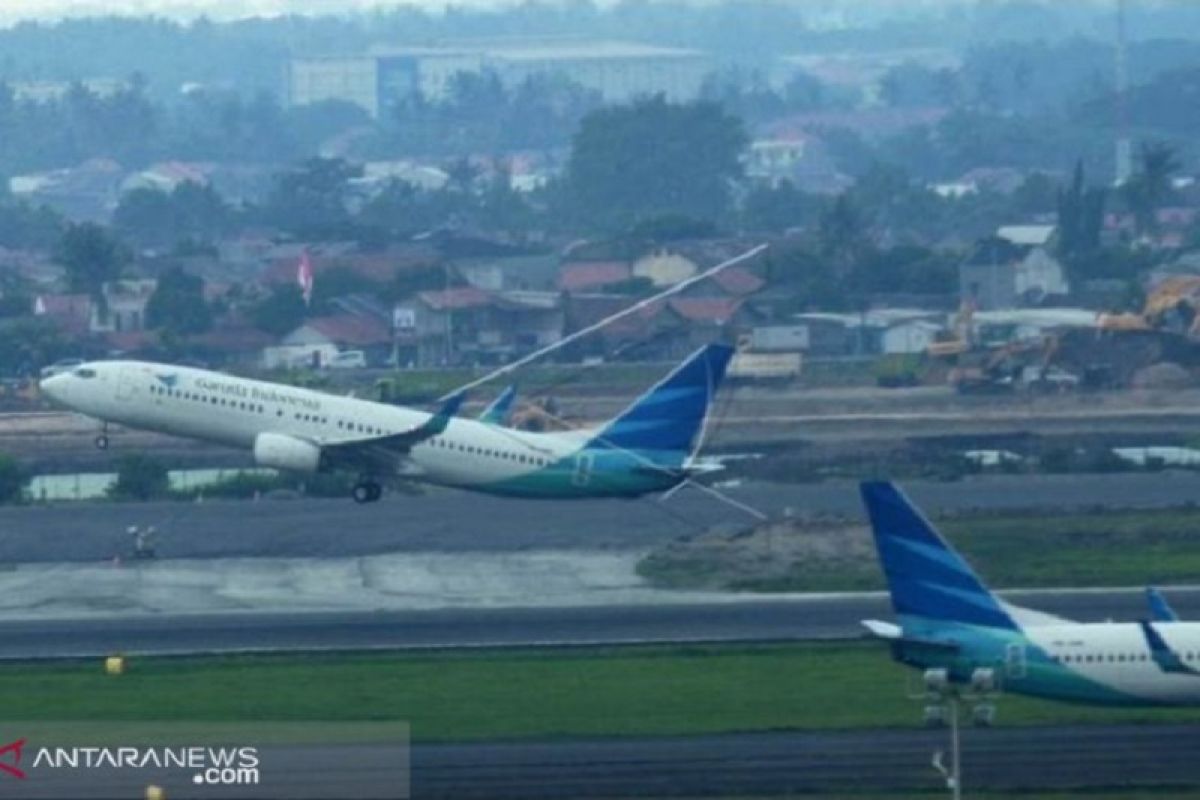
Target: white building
(618,71)
(1015,267)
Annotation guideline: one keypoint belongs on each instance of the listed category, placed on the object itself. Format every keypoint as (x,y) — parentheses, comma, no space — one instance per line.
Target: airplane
(648,447)
(949,620)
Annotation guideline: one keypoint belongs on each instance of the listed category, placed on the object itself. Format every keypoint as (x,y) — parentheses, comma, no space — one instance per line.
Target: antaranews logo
(13,769)
(213,766)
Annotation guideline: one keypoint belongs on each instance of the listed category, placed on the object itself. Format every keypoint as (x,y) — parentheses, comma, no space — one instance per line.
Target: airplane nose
(52,387)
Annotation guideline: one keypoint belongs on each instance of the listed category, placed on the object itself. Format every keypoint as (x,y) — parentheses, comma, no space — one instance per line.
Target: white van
(348,359)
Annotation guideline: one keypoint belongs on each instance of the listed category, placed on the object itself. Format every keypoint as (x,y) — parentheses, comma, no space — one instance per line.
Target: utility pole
(1124,154)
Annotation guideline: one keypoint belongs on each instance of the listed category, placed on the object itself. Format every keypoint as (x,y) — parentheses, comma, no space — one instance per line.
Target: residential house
(469,324)
(1016,267)
(89,191)
(592,276)
(122,308)
(664,330)
(70,313)
(667,265)
(871,332)
(537,272)
(318,340)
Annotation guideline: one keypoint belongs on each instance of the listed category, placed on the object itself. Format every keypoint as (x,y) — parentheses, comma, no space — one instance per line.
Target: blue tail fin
(498,410)
(926,577)
(670,415)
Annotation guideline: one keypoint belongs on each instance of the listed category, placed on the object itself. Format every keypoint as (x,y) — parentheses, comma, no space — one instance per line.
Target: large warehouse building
(617,70)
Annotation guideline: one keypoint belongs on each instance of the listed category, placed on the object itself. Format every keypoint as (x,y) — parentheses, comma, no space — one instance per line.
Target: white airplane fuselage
(213,407)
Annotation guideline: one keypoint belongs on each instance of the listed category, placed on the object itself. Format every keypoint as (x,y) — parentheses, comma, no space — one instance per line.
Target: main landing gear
(366,491)
(101,439)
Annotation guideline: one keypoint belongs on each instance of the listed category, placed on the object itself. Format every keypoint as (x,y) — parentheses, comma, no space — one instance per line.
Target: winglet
(435,425)
(498,410)
(1160,609)
(1166,658)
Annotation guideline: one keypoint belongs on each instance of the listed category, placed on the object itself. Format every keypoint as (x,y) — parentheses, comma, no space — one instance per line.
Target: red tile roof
(70,312)
(64,305)
(456,298)
(739,281)
(346,329)
(580,275)
(715,310)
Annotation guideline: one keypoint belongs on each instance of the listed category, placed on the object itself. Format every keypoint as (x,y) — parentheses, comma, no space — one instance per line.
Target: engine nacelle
(279,451)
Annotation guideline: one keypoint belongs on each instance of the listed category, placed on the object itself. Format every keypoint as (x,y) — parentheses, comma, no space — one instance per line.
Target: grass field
(520,694)
(1126,548)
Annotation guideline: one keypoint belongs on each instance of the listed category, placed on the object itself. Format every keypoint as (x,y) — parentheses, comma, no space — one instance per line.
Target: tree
(280,312)
(1080,218)
(139,477)
(841,232)
(177,307)
(29,343)
(653,158)
(91,257)
(1149,188)
(13,478)
(775,208)
(310,201)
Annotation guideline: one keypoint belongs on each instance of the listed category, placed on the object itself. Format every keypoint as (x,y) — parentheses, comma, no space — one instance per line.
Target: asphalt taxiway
(775,764)
(731,619)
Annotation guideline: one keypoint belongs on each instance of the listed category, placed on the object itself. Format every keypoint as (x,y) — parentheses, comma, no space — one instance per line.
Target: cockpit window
(85,372)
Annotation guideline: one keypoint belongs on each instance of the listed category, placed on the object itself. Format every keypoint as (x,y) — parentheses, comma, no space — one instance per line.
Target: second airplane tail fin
(670,416)
(926,577)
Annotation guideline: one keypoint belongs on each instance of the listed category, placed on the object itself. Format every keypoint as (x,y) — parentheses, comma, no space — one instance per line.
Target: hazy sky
(13,10)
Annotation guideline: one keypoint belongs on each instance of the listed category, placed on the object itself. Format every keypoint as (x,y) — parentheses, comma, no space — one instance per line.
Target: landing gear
(366,492)
(102,442)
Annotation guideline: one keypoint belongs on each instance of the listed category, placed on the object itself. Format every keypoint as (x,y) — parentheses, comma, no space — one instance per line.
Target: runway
(737,619)
(451,521)
(829,763)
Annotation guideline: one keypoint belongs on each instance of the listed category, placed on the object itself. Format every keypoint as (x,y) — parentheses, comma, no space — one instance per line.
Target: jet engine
(279,451)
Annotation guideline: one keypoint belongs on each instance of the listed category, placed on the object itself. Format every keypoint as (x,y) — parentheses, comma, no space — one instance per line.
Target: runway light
(115,665)
(155,793)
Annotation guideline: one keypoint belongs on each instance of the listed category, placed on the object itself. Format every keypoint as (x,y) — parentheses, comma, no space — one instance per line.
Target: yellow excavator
(1173,306)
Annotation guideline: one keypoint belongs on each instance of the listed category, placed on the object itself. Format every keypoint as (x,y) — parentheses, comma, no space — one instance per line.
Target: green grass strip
(518,694)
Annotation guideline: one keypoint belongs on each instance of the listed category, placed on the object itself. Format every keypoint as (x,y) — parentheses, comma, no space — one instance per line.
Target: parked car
(348,359)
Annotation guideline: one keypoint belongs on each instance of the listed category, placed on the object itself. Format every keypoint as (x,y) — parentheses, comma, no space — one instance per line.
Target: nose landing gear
(101,439)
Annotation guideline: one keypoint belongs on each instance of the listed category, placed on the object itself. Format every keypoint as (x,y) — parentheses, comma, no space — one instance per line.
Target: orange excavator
(1173,306)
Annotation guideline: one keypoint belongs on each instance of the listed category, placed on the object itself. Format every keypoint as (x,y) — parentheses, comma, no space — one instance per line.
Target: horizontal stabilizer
(894,634)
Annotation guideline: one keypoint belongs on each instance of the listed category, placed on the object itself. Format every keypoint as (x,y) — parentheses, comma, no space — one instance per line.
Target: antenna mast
(1124,153)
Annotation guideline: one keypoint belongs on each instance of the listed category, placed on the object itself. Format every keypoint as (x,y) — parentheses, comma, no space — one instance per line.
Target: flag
(304,277)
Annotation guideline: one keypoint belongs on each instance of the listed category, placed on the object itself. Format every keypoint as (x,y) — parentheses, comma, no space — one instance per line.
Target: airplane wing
(384,451)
